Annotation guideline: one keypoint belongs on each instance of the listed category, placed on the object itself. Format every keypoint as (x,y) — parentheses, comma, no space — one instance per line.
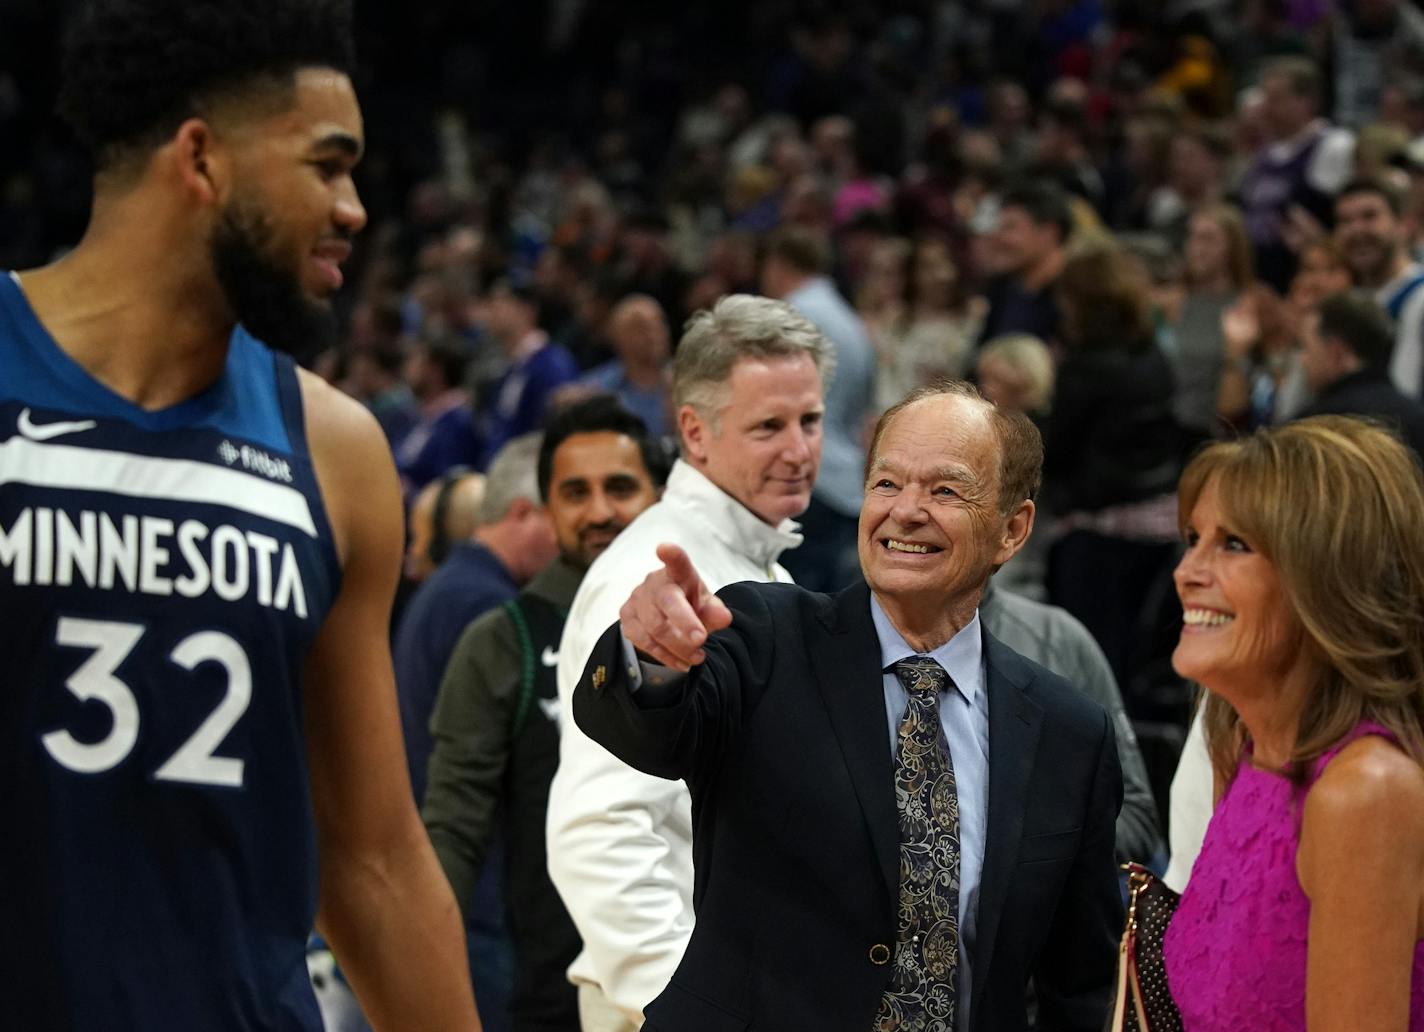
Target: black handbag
(1143,1002)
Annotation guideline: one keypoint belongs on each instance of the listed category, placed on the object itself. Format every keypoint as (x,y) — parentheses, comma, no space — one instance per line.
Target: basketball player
(199,749)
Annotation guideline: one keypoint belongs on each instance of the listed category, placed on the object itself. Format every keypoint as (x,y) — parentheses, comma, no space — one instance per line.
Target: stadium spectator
(495,722)
(1373,43)
(1031,236)
(1017,372)
(934,336)
(639,376)
(444,435)
(511,542)
(1111,455)
(1195,177)
(1371,237)
(1217,272)
(443,514)
(1321,273)
(373,374)
(515,403)
(1297,171)
(794,270)
(1345,355)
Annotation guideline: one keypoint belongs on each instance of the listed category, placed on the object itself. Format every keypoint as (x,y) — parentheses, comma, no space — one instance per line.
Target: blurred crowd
(1146,224)
(1118,217)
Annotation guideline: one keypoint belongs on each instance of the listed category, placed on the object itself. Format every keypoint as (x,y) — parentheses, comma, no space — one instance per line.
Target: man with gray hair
(748,397)
(512,541)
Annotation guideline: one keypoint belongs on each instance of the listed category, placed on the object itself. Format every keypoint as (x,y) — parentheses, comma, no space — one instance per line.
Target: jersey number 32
(111,642)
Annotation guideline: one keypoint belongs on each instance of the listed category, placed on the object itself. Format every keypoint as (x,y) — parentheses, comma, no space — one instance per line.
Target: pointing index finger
(680,570)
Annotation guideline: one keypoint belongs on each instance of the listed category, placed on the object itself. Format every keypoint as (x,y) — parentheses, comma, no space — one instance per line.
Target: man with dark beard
(1371,236)
(496,719)
(198,548)
(264,288)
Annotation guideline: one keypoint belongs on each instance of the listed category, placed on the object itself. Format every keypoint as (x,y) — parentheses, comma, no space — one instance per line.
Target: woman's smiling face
(1238,625)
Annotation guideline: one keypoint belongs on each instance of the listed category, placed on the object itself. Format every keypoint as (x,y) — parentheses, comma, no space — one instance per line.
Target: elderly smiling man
(899,821)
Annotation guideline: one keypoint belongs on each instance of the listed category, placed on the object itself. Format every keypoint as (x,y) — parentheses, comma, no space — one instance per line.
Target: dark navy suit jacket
(781,738)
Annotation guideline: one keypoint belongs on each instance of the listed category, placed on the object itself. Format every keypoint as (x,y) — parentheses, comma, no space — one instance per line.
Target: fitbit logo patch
(255,460)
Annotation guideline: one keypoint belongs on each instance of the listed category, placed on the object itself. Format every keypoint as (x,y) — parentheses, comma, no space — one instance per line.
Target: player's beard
(264,294)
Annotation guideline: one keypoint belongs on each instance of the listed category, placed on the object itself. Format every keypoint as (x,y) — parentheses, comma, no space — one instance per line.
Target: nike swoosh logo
(550,657)
(550,708)
(46,431)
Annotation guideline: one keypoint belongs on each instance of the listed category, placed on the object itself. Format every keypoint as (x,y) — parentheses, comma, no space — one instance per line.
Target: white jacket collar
(727,519)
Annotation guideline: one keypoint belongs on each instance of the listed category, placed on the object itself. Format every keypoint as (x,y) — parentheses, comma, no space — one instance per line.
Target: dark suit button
(880,953)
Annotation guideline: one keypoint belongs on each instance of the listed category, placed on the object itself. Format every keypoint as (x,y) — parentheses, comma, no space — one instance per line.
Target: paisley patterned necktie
(921,994)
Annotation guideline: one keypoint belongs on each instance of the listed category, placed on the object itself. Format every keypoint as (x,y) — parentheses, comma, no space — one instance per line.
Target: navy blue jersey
(162,575)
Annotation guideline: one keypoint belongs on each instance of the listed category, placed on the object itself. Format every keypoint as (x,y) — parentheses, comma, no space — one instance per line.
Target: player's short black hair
(602,413)
(133,70)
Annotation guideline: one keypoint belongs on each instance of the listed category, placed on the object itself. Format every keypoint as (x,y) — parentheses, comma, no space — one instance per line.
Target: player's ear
(198,163)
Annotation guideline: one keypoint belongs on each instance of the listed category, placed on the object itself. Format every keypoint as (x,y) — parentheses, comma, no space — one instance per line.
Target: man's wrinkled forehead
(962,418)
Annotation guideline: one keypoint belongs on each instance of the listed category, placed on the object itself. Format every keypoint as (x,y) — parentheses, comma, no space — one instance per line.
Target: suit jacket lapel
(848,676)
(1015,719)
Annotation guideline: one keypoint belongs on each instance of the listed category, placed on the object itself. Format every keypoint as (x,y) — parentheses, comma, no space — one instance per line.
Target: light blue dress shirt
(964,716)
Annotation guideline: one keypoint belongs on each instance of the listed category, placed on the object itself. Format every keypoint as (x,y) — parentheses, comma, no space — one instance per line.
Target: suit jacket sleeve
(470,728)
(677,726)
(1075,973)
(619,840)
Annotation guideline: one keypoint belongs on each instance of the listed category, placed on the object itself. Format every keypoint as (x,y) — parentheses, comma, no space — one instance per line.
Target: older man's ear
(1017,529)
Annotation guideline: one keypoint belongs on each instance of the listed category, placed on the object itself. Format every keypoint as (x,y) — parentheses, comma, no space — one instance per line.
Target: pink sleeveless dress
(1236,947)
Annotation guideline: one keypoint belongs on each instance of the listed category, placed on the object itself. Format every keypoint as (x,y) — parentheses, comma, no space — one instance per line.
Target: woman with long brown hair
(1303,592)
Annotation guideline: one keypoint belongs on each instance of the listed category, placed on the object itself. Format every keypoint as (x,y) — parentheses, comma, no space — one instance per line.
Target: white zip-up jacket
(620,841)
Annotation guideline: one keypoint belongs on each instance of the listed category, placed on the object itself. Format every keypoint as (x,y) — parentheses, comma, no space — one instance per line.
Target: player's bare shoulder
(353,466)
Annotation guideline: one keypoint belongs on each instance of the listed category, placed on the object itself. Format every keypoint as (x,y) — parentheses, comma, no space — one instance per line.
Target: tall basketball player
(199,749)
